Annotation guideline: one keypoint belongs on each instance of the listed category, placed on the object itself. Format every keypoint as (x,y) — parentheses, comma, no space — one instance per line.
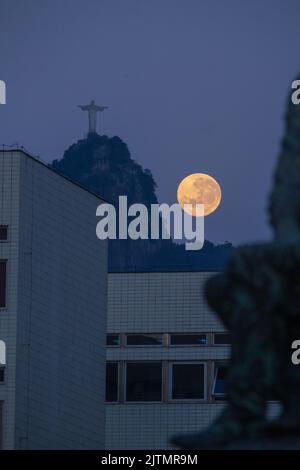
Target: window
(188,340)
(222,338)
(2,283)
(143,381)
(112,381)
(144,340)
(187,381)
(2,360)
(219,381)
(112,340)
(3,233)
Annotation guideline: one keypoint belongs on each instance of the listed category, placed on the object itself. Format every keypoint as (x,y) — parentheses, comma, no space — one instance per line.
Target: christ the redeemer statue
(92,109)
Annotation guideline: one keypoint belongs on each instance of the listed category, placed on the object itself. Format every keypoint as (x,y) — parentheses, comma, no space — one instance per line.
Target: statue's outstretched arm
(101,108)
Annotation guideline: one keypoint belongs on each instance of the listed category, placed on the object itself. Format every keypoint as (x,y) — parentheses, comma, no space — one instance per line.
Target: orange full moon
(199,188)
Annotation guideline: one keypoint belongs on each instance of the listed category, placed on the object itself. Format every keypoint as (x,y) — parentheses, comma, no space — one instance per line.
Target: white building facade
(53,295)
(167,354)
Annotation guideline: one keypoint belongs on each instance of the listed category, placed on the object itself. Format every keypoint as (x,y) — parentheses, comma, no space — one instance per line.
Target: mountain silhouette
(104,165)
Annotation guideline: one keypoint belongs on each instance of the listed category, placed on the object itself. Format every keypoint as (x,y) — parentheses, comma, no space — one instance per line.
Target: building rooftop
(9,150)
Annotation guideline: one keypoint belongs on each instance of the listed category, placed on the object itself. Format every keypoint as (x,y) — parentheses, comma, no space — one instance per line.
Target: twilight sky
(191,85)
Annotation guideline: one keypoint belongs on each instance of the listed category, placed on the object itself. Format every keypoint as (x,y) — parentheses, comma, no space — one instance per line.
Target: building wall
(9,215)
(61,313)
(161,303)
(149,426)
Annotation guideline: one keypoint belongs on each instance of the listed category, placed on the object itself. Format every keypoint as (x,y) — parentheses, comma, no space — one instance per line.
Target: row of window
(1,425)
(176,339)
(3,272)
(3,238)
(158,381)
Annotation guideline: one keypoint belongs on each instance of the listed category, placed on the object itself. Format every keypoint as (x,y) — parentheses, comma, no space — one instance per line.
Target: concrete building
(53,284)
(166,358)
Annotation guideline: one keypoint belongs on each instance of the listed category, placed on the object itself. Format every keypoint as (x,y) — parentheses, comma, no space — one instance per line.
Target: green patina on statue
(258,299)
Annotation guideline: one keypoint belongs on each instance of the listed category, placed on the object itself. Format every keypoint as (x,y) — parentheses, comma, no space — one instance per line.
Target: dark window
(188,340)
(112,381)
(3,233)
(144,340)
(143,381)
(2,371)
(187,381)
(112,340)
(222,338)
(219,381)
(2,283)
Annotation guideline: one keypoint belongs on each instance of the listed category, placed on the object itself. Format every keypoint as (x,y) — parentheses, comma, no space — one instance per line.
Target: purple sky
(191,85)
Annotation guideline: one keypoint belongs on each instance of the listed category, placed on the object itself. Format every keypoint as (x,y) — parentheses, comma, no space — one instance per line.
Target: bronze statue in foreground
(258,299)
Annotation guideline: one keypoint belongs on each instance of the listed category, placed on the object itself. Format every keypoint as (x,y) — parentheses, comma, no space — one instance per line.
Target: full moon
(199,188)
